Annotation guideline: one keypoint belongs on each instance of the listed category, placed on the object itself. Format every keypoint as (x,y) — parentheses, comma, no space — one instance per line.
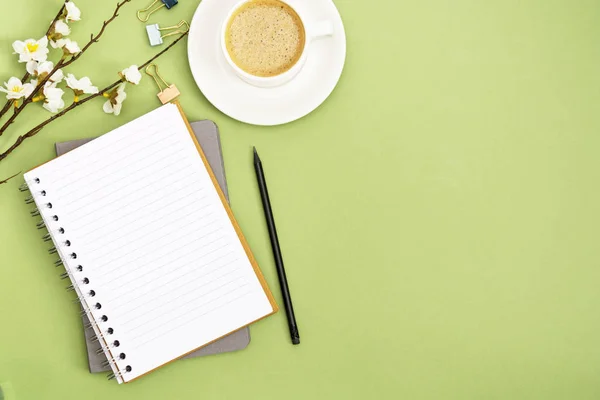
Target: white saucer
(259,106)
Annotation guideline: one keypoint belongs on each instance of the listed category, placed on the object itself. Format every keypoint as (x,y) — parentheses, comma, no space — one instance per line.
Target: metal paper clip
(149,11)
(156,37)
(169,93)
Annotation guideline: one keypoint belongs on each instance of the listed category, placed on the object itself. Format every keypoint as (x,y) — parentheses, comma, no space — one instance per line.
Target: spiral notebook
(149,242)
(207,134)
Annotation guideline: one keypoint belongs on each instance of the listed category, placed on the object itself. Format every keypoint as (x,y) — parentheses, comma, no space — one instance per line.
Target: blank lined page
(162,266)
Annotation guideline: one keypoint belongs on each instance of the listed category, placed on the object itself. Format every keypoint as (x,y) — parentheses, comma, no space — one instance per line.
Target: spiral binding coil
(40,197)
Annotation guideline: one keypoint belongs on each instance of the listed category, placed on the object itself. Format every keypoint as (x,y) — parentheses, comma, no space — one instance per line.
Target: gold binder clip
(155,32)
(169,93)
(149,11)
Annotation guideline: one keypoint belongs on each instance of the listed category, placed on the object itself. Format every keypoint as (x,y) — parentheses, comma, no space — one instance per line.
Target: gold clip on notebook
(170,92)
(149,242)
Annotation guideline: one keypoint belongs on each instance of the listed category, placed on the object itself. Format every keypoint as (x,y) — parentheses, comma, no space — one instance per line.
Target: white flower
(16,90)
(43,69)
(47,67)
(54,101)
(62,28)
(69,46)
(132,75)
(57,77)
(115,101)
(32,49)
(81,86)
(73,13)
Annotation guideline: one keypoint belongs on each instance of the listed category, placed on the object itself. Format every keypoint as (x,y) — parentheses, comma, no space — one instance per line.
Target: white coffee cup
(313,30)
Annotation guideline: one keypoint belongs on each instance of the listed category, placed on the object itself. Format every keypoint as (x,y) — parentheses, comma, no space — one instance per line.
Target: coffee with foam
(265,37)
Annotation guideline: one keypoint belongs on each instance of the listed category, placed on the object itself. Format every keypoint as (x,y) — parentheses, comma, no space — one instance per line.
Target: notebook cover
(208,136)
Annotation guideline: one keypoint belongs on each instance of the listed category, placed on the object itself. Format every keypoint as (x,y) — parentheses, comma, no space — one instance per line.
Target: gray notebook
(208,137)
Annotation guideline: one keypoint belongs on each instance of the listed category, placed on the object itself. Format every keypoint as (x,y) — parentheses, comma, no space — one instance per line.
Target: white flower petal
(14,95)
(50,107)
(69,79)
(58,76)
(18,47)
(53,93)
(23,58)
(59,44)
(61,27)
(85,81)
(32,67)
(118,108)
(45,67)
(108,108)
(132,74)
(121,95)
(73,13)
(12,82)
(71,46)
(28,88)
(54,106)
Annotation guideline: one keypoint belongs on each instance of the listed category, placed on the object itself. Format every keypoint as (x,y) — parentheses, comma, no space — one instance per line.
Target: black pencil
(285,290)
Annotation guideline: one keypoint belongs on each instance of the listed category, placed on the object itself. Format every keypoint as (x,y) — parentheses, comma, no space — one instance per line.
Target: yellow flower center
(16,89)
(32,47)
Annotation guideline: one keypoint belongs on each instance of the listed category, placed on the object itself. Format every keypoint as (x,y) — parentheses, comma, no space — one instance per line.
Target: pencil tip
(256,157)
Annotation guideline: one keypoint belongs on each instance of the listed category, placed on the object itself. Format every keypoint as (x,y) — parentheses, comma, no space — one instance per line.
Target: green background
(438,214)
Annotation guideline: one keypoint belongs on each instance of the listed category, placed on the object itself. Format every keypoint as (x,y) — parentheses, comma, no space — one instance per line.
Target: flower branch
(58,16)
(9,103)
(9,178)
(110,92)
(75,53)
(28,100)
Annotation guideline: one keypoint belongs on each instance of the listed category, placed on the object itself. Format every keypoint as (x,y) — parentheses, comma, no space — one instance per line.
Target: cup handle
(320,29)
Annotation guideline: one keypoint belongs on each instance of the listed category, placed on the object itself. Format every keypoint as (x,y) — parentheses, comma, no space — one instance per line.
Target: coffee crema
(265,37)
